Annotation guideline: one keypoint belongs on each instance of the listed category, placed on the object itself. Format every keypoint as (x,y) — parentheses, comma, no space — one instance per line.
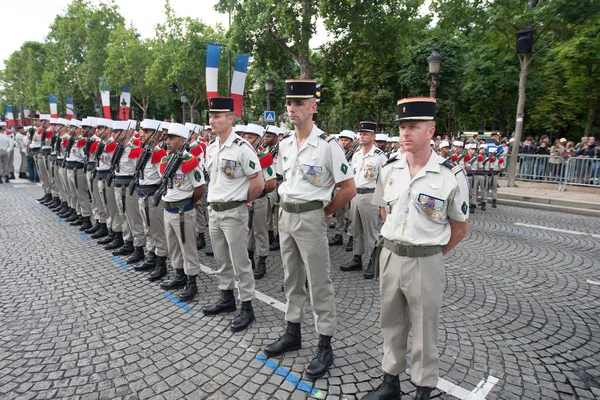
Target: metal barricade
(580,171)
(532,167)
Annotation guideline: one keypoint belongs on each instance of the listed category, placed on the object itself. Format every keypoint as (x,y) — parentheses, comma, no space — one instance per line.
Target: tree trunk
(514,153)
(303,43)
(591,116)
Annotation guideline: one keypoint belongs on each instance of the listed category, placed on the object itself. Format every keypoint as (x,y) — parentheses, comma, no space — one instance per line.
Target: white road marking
(259,295)
(592,282)
(546,228)
(484,387)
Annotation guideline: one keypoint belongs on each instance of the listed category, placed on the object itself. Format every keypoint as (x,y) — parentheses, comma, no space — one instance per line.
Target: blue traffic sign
(269,116)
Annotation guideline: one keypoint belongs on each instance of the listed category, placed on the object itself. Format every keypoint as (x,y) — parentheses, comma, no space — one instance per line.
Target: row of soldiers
(147,190)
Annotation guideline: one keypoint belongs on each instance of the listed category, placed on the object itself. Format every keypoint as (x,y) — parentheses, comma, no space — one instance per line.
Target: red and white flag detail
(53,107)
(213,53)
(125,99)
(105,95)
(70,112)
(238,82)
(10,118)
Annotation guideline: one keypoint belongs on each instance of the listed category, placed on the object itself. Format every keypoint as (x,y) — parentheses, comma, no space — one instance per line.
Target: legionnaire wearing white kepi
(311,163)
(77,180)
(271,144)
(496,167)
(258,230)
(152,216)
(184,189)
(63,134)
(235,180)
(343,217)
(481,166)
(423,200)
(35,150)
(100,213)
(469,166)
(366,163)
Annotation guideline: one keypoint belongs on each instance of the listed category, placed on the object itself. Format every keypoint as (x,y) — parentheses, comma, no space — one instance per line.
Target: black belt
(46,151)
(478,174)
(301,207)
(147,189)
(123,180)
(74,165)
(34,150)
(403,250)
(364,191)
(227,205)
(180,207)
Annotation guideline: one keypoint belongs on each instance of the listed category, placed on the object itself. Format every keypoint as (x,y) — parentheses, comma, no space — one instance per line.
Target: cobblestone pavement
(521,305)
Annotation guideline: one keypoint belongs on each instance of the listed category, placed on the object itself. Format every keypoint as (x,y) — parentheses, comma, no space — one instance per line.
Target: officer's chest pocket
(228,167)
(370,172)
(312,174)
(432,207)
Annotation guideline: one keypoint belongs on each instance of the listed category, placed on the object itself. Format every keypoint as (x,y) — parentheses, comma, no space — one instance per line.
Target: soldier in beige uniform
(311,164)
(184,189)
(271,142)
(100,212)
(480,169)
(496,167)
(35,149)
(423,200)
(469,161)
(258,235)
(235,180)
(344,216)
(366,163)
(76,178)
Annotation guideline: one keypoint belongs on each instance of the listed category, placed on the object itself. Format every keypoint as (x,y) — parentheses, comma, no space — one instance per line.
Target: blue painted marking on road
(186,307)
(84,237)
(290,377)
(122,263)
(59,219)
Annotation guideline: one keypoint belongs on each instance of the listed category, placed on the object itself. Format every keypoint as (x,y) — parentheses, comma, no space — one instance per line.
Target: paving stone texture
(76,324)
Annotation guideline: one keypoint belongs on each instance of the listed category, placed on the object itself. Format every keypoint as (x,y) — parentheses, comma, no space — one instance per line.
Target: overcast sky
(31,19)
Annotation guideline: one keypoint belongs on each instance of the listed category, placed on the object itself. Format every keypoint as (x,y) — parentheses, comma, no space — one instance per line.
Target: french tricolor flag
(238,81)
(26,114)
(53,108)
(124,112)
(70,112)
(10,118)
(105,95)
(213,53)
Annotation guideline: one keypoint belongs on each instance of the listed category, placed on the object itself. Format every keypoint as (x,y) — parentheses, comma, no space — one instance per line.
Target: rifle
(275,150)
(116,158)
(141,163)
(170,170)
(70,144)
(351,150)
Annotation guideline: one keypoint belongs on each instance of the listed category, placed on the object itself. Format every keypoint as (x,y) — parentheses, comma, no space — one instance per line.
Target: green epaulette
(452,166)
(326,137)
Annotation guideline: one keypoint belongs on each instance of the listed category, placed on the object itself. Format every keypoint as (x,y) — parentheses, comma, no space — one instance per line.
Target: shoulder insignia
(136,152)
(163,163)
(94,147)
(189,164)
(266,160)
(378,151)
(287,135)
(109,148)
(158,155)
(390,160)
(326,137)
(81,143)
(452,166)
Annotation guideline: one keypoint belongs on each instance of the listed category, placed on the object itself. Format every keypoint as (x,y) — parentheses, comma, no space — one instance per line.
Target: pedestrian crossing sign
(269,116)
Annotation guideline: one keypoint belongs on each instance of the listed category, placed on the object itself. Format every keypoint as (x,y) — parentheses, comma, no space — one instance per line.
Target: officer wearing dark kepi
(311,164)
(424,203)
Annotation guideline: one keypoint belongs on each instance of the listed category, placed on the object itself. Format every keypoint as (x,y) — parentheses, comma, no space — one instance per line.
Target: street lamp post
(184,101)
(123,111)
(434,60)
(269,88)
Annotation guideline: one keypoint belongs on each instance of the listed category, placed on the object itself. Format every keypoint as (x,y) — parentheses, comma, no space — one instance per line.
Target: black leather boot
(389,389)
(323,359)
(289,341)
(177,282)
(12,175)
(225,304)
(74,218)
(93,229)
(101,232)
(354,265)
(200,241)
(251,257)
(190,290)
(261,267)
(44,199)
(67,213)
(125,250)
(350,245)
(337,240)
(60,208)
(148,264)
(136,256)
(160,269)
(55,203)
(244,318)
(494,203)
(87,224)
(22,175)
(271,237)
(483,206)
(108,238)
(209,253)
(472,208)
(275,245)
(369,272)
(115,243)
(423,393)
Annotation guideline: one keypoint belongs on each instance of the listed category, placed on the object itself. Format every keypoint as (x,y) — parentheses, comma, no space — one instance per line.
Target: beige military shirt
(310,174)
(419,209)
(229,168)
(367,166)
(184,183)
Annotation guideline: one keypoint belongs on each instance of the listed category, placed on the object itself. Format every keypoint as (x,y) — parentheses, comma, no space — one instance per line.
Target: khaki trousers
(183,255)
(114,221)
(23,166)
(62,193)
(472,193)
(305,255)
(4,171)
(365,220)
(229,237)
(83,205)
(98,207)
(70,195)
(52,176)
(480,188)
(131,213)
(43,173)
(258,236)
(273,211)
(156,240)
(11,161)
(411,291)
(340,217)
(492,186)
(201,211)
